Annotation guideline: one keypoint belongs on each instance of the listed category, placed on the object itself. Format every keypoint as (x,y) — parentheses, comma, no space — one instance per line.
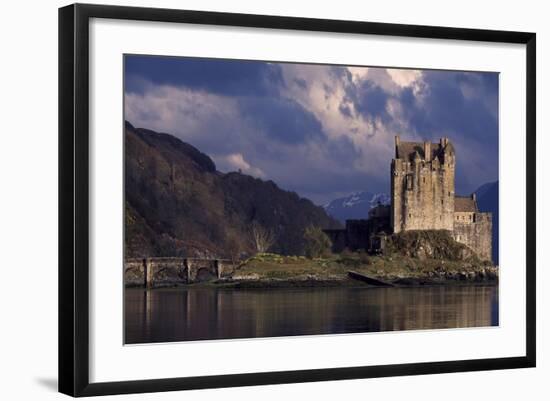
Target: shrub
(317,243)
(349,261)
(364,257)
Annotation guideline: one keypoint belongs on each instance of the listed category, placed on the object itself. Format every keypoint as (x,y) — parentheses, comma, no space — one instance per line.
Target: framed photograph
(250,199)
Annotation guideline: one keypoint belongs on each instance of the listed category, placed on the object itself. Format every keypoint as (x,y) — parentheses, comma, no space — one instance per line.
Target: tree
(234,248)
(262,238)
(317,243)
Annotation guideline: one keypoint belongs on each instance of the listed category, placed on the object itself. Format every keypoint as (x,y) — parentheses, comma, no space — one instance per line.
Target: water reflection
(208,313)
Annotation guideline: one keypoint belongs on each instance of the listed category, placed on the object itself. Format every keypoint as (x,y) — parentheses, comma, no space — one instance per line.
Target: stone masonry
(422,186)
(473,228)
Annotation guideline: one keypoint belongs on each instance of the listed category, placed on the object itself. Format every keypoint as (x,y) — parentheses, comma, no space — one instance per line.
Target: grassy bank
(278,270)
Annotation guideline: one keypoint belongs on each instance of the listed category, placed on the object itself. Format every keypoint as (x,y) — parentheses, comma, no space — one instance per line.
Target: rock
(491,273)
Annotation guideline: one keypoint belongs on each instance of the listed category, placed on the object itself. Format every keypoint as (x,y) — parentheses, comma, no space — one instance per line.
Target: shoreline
(312,283)
(276,271)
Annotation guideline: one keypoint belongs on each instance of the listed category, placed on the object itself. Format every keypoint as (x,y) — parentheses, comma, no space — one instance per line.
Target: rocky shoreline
(486,276)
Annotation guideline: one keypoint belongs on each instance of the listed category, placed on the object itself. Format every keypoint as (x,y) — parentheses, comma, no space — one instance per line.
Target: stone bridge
(166,271)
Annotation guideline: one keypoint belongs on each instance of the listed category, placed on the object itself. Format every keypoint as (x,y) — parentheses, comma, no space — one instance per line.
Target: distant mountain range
(178,204)
(358,204)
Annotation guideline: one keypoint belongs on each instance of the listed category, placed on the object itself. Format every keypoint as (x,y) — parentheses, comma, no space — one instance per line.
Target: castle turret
(396,145)
(422,185)
(427,151)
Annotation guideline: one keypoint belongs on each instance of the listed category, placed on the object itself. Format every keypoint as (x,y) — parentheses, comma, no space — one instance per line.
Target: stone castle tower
(423,186)
(422,198)
(423,195)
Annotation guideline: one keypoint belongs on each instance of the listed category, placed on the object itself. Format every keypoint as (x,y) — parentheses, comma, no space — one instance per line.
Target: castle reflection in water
(166,315)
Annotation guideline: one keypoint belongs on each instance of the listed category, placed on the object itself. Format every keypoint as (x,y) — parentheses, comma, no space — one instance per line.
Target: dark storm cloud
(490,82)
(329,177)
(345,110)
(446,107)
(342,148)
(371,100)
(282,119)
(225,77)
(301,83)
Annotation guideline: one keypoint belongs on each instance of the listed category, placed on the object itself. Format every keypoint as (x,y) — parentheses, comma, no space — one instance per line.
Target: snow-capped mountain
(356,205)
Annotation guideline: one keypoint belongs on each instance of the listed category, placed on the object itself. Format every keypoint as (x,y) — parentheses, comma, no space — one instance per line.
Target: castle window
(424,180)
(409,182)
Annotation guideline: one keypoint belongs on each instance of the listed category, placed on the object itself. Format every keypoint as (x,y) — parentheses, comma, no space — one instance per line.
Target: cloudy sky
(323,131)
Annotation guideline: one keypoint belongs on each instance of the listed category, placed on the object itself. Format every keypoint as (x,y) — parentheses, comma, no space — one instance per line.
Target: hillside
(178,204)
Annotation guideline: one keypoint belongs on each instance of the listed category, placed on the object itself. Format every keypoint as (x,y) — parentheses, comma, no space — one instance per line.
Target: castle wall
(422,195)
(358,232)
(476,235)
(464,217)
(339,239)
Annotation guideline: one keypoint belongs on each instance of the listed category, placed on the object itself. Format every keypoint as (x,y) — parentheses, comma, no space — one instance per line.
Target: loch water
(185,314)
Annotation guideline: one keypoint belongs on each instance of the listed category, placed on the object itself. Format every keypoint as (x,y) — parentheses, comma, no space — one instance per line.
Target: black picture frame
(74,198)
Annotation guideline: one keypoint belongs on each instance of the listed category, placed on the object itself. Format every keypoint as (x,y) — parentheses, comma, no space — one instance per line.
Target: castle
(422,198)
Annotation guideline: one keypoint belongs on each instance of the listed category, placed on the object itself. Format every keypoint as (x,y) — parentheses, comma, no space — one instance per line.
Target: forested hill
(178,204)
